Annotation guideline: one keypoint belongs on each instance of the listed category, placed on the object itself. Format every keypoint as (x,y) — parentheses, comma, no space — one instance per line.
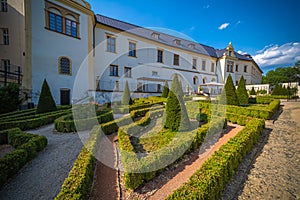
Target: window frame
(160,58)
(110,44)
(60,70)
(154,73)
(130,49)
(126,70)
(245,68)
(4,7)
(176,59)
(6,64)
(212,67)
(113,69)
(63,14)
(5,36)
(194,64)
(236,67)
(203,65)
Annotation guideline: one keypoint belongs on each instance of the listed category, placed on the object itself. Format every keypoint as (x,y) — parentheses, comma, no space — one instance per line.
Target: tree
(126,99)
(229,93)
(279,90)
(165,91)
(241,92)
(282,75)
(176,114)
(252,91)
(9,97)
(46,102)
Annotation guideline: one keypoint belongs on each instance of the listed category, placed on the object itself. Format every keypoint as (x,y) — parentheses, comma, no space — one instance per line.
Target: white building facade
(81,54)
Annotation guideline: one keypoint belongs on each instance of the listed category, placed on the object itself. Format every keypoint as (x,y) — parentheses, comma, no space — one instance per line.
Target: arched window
(64,66)
(195,80)
(204,80)
(213,80)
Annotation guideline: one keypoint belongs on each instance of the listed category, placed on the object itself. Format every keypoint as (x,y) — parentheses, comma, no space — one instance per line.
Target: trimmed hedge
(27,147)
(31,123)
(79,181)
(66,123)
(136,170)
(127,109)
(209,181)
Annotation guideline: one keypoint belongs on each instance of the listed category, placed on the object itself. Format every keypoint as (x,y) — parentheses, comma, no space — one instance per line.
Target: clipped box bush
(26,147)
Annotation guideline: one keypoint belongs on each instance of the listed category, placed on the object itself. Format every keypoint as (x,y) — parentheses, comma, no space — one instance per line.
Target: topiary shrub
(165,90)
(176,114)
(241,92)
(46,102)
(252,91)
(126,99)
(228,94)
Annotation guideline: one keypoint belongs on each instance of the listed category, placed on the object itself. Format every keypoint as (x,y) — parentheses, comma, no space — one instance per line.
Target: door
(65,97)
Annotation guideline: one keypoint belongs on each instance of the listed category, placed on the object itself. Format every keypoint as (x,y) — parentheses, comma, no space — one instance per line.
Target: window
(155,35)
(55,22)
(3,5)
(113,70)
(176,59)
(230,53)
(236,68)
(61,20)
(132,49)
(177,42)
(195,80)
(191,46)
(154,73)
(194,63)
(160,55)
(236,82)
(229,66)
(245,81)
(5,65)
(204,80)
(127,72)
(64,66)
(111,44)
(5,36)
(203,65)
(245,68)
(212,67)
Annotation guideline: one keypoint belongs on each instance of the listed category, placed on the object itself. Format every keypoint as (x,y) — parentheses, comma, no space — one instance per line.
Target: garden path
(42,177)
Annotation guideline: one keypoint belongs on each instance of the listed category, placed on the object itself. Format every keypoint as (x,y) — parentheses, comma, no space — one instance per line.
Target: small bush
(9,97)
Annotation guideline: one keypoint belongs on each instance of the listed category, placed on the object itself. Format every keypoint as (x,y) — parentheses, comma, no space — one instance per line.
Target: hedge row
(262,113)
(27,146)
(127,109)
(139,170)
(64,124)
(32,123)
(78,183)
(209,181)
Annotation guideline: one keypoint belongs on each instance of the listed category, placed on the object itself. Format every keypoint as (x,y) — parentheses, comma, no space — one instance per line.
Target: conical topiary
(231,98)
(46,102)
(165,91)
(126,99)
(241,92)
(252,91)
(176,114)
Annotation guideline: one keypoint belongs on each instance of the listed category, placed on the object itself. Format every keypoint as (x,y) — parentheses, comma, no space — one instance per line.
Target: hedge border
(27,147)
(209,181)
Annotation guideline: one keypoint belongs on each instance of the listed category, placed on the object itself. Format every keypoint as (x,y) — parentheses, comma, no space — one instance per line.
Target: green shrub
(252,91)
(126,99)
(9,97)
(241,92)
(176,114)
(46,102)
(228,93)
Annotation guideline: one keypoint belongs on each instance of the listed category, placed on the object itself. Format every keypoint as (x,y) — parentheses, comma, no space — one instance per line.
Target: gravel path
(272,169)
(42,177)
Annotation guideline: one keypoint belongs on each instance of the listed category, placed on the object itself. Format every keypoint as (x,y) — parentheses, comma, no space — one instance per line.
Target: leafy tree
(176,114)
(241,92)
(126,99)
(9,97)
(46,102)
(229,93)
(252,91)
(279,90)
(165,91)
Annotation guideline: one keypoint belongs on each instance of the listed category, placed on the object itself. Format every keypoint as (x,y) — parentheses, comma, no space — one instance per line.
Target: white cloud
(238,22)
(275,55)
(223,26)
(206,7)
(242,52)
(192,28)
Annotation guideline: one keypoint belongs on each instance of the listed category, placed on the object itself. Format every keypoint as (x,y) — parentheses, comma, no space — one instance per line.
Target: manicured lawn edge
(27,147)
(209,181)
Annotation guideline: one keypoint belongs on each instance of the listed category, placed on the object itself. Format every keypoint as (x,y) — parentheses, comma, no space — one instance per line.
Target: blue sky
(267,29)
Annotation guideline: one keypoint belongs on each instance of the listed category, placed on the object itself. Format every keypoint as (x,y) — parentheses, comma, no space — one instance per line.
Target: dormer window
(177,42)
(191,46)
(155,35)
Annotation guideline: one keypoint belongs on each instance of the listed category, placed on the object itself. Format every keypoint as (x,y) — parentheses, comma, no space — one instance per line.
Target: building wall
(48,46)
(14,21)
